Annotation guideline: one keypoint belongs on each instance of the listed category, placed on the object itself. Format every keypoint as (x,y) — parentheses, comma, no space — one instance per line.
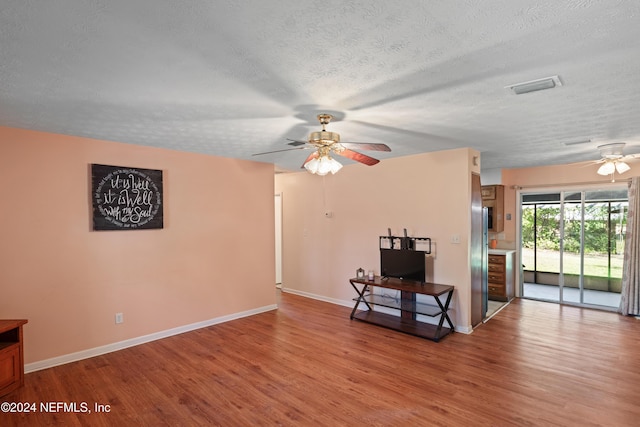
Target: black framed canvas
(126,198)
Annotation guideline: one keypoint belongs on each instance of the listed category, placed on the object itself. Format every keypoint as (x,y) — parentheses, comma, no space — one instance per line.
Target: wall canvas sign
(126,198)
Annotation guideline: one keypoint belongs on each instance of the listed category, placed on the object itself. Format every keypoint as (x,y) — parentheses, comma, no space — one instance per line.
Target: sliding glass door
(541,245)
(573,245)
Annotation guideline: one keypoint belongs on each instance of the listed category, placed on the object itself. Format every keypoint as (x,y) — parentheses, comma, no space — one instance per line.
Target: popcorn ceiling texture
(232,78)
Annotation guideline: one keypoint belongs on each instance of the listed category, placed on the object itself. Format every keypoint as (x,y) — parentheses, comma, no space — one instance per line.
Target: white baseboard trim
(318,297)
(463,329)
(97,351)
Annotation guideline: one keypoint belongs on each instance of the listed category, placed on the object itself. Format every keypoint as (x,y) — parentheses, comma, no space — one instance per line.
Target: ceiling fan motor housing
(611,151)
(324,138)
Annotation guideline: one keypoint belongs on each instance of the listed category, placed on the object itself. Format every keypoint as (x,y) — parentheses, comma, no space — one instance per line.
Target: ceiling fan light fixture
(327,164)
(323,165)
(312,165)
(535,85)
(607,168)
(622,167)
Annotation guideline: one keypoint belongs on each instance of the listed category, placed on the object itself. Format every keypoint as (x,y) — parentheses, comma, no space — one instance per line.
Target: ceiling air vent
(534,85)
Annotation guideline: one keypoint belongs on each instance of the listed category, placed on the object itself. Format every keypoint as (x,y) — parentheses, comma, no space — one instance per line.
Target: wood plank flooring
(307,364)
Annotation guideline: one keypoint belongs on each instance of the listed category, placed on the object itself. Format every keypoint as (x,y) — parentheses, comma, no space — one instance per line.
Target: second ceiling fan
(325,143)
(613,160)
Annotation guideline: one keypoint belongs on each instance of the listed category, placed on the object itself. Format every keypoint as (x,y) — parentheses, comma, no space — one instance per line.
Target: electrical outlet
(455,239)
(119,318)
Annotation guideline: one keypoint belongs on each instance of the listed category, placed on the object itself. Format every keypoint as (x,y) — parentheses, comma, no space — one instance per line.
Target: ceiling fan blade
(279,151)
(366,146)
(312,156)
(358,157)
(295,142)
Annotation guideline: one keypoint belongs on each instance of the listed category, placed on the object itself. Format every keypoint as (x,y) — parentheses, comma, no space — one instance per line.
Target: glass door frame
(561,189)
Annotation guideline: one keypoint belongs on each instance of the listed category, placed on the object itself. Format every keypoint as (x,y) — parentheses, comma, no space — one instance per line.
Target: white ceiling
(237,77)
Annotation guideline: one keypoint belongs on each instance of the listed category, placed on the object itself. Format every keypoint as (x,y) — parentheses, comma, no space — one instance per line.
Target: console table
(407,305)
(11,355)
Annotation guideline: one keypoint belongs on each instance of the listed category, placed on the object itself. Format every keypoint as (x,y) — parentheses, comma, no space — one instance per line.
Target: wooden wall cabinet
(493,200)
(500,275)
(11,356)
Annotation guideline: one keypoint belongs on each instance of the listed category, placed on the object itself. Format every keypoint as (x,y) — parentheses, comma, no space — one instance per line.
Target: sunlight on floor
(552,293)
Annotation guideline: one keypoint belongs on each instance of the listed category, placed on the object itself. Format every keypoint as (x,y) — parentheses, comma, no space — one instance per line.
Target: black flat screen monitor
(403,264)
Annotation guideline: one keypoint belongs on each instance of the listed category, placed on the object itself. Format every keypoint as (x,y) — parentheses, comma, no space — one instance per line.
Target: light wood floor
(306,364)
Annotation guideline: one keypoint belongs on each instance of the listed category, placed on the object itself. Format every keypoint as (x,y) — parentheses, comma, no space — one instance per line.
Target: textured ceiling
(233,78)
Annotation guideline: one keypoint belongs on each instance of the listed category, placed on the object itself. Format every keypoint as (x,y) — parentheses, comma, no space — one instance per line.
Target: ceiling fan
(320,161)
(613,160)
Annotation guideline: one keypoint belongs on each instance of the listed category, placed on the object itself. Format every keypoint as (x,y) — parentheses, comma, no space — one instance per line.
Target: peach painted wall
(214,257)
(427,194)
(559,176)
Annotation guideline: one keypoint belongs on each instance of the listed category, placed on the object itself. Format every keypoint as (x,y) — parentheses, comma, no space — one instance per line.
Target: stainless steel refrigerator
(479,254)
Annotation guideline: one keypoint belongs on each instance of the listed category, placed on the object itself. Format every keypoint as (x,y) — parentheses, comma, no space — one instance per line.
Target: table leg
(444,309)
(360,298)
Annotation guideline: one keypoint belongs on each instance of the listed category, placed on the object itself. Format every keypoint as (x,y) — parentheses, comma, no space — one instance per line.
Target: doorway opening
(572,246)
